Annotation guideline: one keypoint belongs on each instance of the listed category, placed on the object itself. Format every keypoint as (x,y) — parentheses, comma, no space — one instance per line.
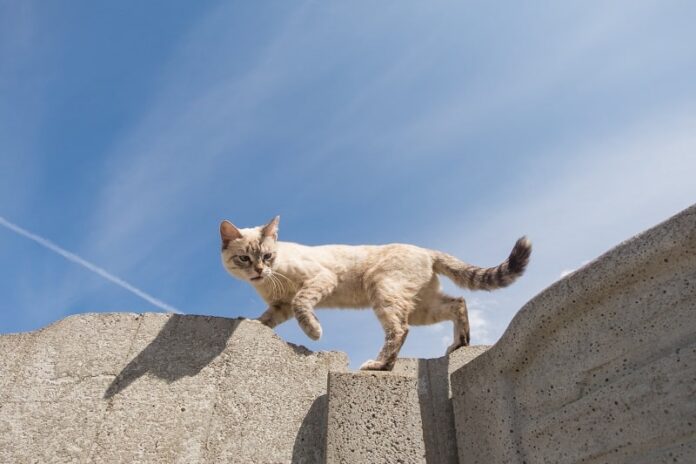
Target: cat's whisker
(281,286)
(274,286)
(290,282)
(281,289)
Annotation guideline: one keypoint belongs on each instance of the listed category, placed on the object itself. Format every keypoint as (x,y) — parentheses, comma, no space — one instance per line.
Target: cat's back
(326,254)
(360,256)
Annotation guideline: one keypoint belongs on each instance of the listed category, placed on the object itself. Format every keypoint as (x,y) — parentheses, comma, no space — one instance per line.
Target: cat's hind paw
(371,365)
(452,348)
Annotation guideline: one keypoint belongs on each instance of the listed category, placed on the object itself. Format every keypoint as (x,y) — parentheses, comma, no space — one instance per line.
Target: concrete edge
(296,348)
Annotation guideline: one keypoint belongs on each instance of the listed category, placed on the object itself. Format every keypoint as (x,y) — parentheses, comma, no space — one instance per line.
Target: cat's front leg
(276,314)
(307,297)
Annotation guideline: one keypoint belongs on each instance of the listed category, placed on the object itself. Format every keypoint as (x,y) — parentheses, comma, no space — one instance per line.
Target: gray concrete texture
(600,367)
(161,388)
(403,416)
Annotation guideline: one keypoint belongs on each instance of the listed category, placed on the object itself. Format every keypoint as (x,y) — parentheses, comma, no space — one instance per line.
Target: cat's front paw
(313,331)
(310,325)
(371,365)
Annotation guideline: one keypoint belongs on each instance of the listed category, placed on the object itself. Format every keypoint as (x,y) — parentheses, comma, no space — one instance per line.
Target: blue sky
(129,130)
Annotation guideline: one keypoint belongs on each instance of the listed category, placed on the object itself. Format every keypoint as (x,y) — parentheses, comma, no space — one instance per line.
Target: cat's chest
(276,290)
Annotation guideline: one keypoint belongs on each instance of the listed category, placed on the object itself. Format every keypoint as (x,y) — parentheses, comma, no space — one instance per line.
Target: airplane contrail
(86,264)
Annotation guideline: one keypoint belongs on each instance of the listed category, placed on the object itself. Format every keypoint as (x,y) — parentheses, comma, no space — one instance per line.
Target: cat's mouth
(256,278)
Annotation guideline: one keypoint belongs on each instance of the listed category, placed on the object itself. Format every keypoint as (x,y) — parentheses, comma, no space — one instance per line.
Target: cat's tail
(478,278)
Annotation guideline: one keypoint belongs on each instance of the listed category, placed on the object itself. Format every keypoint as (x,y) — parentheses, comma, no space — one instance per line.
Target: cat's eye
(267,256)
(244,258)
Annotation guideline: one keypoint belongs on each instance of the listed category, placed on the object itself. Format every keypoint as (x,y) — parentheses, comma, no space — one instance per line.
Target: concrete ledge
(600,367)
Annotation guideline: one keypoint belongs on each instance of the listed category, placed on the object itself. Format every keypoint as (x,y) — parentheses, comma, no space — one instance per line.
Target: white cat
(398,281)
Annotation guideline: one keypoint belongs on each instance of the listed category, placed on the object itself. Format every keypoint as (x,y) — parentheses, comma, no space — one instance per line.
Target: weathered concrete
(600,367)
(374,417)
(161,388)
(402,416)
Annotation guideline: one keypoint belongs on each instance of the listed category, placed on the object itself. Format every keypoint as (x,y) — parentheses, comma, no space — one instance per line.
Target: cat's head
(248,254)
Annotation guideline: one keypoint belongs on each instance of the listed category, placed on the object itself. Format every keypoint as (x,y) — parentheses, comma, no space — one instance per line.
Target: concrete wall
(165,388)
(600,367)
(161,388)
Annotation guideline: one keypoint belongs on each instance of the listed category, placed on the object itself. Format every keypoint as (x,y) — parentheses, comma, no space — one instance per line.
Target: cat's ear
(228,232)
(271,229)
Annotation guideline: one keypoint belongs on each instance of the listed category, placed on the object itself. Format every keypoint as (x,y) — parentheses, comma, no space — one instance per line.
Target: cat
(400,282)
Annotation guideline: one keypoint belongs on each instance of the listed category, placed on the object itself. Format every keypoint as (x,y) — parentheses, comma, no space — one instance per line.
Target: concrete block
(400,416)
(599,367)
(374,417)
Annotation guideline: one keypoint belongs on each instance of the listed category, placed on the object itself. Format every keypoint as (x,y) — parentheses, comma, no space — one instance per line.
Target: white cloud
(479,324)
(446,340)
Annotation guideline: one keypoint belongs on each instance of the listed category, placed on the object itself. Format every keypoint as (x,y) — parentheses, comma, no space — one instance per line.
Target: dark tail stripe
(477,278)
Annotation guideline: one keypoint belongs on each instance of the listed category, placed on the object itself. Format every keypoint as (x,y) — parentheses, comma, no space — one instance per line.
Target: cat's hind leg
(438,307)
(455,308)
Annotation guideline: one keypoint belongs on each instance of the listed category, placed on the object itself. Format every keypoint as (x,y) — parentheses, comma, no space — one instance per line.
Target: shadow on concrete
(310,443)
(437,414)
(184,346)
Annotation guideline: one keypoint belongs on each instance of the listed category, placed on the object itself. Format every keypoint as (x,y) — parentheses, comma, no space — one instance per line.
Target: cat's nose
(258,269)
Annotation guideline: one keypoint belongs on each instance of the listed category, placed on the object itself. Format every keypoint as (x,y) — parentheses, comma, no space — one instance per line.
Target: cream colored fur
(398,281)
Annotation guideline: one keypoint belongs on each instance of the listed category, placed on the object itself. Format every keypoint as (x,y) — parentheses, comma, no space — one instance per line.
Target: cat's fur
(398,281)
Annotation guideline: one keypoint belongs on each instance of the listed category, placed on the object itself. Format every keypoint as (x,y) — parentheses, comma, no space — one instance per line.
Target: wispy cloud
(87,265)
(479,324)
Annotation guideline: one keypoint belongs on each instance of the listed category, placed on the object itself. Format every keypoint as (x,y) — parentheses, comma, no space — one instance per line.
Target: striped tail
(478,278)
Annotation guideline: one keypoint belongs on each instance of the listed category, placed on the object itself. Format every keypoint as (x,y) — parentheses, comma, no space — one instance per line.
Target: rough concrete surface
(600,367)
(374,417)
(403,416)
(161,388)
